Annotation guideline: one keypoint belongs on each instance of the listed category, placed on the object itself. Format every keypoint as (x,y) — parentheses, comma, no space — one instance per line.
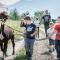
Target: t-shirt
(53,34)
(46,19)
(36,22)
(57,29)
(30,29)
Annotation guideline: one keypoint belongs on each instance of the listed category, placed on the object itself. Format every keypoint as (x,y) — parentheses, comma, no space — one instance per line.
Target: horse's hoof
(2,58)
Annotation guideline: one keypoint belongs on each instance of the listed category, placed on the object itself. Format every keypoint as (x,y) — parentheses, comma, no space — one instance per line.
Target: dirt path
(18,45)
(41,50)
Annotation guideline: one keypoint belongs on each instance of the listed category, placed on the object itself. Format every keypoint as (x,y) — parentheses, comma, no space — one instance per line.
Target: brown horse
(7,34)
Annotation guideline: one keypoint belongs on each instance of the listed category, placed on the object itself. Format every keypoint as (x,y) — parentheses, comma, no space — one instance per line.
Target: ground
(40,51)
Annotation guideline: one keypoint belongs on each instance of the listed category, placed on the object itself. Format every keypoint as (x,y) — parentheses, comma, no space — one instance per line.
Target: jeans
(57,47)
(29,43)
(46,27)
(37,35)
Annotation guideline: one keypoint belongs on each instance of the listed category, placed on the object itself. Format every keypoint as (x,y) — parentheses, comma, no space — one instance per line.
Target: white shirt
(51,31)
(36,22)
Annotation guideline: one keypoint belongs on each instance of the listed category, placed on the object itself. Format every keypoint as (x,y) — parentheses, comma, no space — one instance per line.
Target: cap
(51,23)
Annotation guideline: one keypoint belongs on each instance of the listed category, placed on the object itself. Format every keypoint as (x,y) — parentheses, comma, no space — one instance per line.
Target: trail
(18,45)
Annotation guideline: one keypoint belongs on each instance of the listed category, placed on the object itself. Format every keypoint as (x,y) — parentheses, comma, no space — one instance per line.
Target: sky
(35,5)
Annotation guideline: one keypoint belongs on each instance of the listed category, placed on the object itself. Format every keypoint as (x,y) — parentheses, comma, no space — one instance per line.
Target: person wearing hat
(51,35)
(57,39)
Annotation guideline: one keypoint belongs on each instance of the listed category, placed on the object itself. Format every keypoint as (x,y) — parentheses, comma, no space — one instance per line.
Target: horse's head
(3,16)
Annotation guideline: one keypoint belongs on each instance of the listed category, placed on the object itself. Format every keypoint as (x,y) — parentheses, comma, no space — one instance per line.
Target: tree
(14,14)
(38,14)
(25,14)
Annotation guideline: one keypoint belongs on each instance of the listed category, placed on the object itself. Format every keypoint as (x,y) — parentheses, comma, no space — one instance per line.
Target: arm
(34,33)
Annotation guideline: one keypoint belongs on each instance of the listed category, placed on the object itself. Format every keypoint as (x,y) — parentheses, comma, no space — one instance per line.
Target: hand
(32,35)
(22,33)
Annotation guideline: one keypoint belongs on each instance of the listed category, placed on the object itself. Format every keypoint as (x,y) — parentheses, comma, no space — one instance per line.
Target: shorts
(51,42)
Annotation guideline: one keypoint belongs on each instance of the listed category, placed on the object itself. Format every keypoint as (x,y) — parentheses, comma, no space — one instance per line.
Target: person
(57,40)
(51,35)
(30,36)
(37,23)
(46,19)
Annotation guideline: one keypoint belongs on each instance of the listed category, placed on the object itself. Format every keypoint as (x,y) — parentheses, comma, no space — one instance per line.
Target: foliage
(24,14)
(21,55)
(38,14)
(14,14)
(54,21)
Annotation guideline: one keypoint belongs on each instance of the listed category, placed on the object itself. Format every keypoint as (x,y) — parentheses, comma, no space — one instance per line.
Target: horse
(7,34)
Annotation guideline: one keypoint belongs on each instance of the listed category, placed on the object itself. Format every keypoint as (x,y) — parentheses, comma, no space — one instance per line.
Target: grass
(21,55)
(16,26)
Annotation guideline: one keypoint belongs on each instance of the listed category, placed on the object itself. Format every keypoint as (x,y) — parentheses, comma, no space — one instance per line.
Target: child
(37,23)
(51,34)
(30,36)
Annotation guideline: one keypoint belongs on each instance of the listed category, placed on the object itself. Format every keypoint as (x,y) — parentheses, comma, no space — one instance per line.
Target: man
(57,41)
(30,36)
(46,19)
(37,23)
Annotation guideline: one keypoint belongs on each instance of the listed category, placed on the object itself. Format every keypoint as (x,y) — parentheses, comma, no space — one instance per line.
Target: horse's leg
(5,47)
(1,45)
(13,44)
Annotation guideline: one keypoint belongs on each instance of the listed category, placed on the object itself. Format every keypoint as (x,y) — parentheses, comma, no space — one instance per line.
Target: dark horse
(7,34)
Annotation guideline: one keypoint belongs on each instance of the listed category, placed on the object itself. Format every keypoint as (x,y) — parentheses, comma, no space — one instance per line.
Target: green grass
(21,55)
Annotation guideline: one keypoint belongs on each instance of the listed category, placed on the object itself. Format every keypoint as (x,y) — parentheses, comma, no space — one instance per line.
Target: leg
(46,27)
(37,35)
(5,47)
(13,44)
(1,45)
(31,45)
(27,47)
(38,32)
(57,46)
